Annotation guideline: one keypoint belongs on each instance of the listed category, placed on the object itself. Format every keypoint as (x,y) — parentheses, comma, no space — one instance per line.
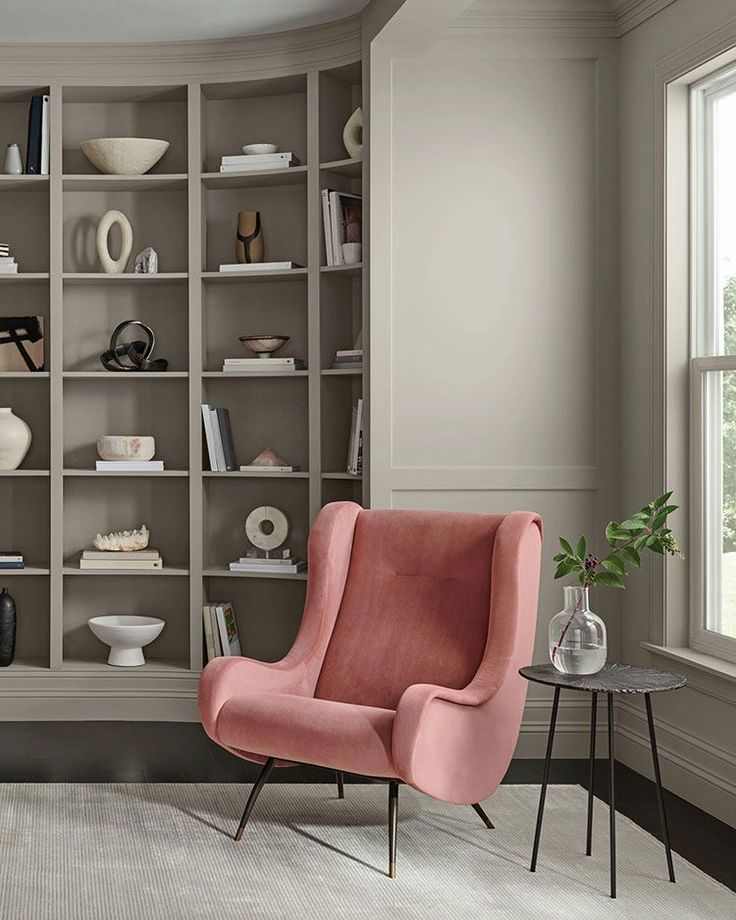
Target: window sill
(717,667)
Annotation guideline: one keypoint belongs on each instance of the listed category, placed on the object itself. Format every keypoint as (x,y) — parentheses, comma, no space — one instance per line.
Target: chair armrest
(226,677)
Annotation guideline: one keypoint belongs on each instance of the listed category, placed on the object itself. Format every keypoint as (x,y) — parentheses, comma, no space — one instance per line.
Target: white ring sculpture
(265,539)
(109,265)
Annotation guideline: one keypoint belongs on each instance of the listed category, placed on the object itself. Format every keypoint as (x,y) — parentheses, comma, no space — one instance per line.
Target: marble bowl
(124,156)
(126,447)
(264,345)
(256,149)
(126,636)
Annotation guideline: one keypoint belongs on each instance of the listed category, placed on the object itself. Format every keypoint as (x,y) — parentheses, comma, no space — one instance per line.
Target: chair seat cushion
(326,733)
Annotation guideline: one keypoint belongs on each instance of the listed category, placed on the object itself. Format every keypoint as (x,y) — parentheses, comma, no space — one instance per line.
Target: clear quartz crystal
(577,637)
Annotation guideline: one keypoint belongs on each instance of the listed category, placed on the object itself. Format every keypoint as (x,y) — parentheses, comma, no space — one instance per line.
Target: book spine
(215,631)
(256,157)
(45,137)
(11,565)
(33,147)
(122,565)
(336,227)
(208,640)
(217,440)
(209,437)
(329,251)
(223,419)
(222,629)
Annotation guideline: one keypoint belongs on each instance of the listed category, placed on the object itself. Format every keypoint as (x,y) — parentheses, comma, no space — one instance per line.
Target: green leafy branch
(645,530)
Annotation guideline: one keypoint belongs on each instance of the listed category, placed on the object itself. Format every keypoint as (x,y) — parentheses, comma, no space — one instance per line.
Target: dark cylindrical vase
(7,628)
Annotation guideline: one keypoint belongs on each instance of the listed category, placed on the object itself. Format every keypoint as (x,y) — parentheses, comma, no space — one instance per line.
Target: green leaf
(559,557)
(609,580)
(614,564)
(566,546)
(581,550)
(564,568)
(631,525)
(610,532)
(640,542)
(631,555)
(656,547)
(662,500)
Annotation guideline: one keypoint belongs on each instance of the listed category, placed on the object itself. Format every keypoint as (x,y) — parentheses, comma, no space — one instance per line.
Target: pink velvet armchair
(405,665)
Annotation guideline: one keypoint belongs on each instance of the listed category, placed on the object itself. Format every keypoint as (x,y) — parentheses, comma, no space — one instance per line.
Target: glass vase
(577,637)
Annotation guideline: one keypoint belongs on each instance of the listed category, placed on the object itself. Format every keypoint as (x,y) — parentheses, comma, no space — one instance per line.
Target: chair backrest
(415,608)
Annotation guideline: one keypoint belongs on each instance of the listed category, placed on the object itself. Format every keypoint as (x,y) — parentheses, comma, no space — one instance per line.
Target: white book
(277,369)
(254,167)
(337,222)
(122,466)
(217,440)
(45,137)
(143,565)
(269,469)
(232,159)
(329,251)
(228,629)
(109,554)
(209,642)
(209,437)
(355,432)
(351,353)
(265,569)
(11,559)
(215,631)
(8,269)
(7,260)
(270,360)
(258,266)
(272,563)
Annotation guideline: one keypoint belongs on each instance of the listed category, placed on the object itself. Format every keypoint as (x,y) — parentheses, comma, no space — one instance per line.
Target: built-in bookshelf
(187,210)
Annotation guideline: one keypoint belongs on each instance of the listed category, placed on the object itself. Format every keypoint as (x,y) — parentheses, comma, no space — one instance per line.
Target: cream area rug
(158,852)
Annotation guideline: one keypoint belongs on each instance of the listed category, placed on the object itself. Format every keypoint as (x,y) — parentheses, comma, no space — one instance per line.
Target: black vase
(7,628)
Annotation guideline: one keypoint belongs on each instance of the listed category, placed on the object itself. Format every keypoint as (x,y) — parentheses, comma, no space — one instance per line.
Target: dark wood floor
(177,752)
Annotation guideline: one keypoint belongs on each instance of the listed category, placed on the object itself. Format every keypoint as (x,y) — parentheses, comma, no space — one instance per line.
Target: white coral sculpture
(122,541)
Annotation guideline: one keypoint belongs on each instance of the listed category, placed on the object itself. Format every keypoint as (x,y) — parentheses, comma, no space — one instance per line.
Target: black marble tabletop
(613,678)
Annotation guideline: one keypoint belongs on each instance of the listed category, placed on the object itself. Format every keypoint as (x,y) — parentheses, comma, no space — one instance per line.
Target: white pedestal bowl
(126,636)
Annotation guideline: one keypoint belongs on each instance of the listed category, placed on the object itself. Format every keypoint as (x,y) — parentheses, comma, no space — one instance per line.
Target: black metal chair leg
(254,793)
(483,817)
(612,796)
(340,785)
(393,812)
(545,779)
(660,794)
(591,773)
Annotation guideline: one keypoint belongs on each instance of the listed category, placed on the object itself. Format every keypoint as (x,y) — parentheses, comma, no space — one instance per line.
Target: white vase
(15,439)
(13,162)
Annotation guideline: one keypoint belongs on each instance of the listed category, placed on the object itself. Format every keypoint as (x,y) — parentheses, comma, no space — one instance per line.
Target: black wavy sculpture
(19,329)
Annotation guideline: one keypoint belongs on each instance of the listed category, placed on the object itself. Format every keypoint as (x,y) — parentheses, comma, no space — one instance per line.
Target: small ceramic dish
(255,149)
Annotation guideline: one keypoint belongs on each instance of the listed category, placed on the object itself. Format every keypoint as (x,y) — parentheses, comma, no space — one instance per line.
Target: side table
(614,678)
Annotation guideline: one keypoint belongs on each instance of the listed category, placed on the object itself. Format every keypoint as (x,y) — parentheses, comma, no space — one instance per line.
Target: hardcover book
(228,629)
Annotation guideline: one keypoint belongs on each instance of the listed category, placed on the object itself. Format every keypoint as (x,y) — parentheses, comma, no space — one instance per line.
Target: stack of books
(355,446)
(342,216)
(8,265)
(350,359)
(129,466)
(220,630)
(255,162)
(259,266)
(37,150)
(9,559)
(282,564)
(142,560)
(219,437)
(261,365)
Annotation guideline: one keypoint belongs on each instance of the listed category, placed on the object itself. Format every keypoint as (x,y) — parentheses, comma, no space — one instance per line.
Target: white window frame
(705,364)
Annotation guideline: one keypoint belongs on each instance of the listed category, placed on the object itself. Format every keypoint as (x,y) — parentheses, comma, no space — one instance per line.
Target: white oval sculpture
(15,439)
(126,447)
(352,135)
(266,527)
(126,636)
(109,265)
(124,156)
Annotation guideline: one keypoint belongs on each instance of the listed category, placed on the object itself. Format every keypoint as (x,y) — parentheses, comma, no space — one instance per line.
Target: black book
(223,420)
(33,147)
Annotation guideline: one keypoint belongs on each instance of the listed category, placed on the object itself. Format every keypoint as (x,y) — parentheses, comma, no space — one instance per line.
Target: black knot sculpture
(134,355)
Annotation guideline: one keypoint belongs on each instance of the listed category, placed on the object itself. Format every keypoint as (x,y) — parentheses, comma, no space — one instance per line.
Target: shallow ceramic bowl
(126,447)
(254,149)
(124,156)
(264,345)
(126,636)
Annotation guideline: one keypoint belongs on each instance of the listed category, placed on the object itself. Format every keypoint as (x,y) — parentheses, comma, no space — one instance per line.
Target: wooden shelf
(149,182)
(24,375)
(24,183)
(222,571)
(100,667)
(351,167)
(290,274)
(235,474)
(349,271)
(339,372)
(28,666)
(355,478)
(293,175)
(123,278)
(70,568)
(28,570)
(24,278)
(224,375)
(125,375)
(22,473)
(103,474)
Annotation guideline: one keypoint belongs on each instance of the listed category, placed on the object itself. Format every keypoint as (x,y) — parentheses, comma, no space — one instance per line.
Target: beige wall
(494,272)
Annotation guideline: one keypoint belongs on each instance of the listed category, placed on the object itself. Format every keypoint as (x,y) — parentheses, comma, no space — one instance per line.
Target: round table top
(613,678)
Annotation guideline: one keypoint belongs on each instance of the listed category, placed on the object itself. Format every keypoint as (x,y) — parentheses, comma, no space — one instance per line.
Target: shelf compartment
(261,178)
(28,396)
(289,274)
(339,95)
(123,278)
(339,395)
(350,167)
(127,595)
(148,182)
(24,217)
(268,610)
(32,646)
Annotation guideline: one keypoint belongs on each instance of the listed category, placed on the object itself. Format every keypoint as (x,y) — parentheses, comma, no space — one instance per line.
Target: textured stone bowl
(264,345)
(124,156)
(126,447)
(126,637)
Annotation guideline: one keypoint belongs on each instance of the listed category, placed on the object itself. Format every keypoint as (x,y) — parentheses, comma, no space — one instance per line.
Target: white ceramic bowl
(126,447)
(126,636)
(124,156)
(253,149)
(264,345)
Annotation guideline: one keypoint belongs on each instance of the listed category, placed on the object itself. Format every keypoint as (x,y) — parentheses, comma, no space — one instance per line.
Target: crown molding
(573,18)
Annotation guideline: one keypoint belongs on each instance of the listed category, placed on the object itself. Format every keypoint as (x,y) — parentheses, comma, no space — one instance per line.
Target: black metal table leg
(545,779)
(612,796)
(340,785)
(591,773)
(393,811)
(660,795)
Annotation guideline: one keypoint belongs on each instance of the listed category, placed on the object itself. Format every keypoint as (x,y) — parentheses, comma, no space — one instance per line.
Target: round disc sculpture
(266,528)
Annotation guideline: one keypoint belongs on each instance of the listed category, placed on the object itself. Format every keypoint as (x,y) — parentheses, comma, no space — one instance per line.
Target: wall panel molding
(495,478)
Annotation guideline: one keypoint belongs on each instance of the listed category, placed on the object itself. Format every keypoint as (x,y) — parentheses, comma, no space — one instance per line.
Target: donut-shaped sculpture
(109,265)
(266,527)
(352,134)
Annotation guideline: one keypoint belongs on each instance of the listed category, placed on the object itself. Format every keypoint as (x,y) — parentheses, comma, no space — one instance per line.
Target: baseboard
(99,708)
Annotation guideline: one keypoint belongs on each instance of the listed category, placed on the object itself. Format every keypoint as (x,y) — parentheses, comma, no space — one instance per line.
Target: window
(713,366)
